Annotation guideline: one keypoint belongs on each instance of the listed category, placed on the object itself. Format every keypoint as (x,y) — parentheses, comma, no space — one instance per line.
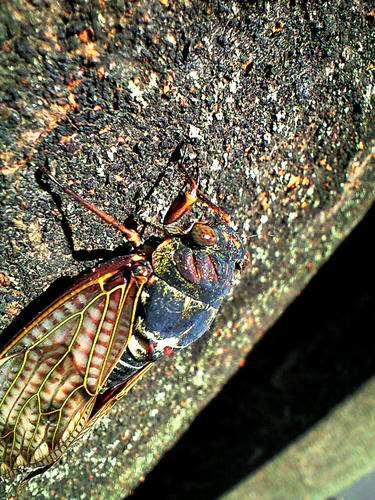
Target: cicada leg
(185,202)
(182,204)
(130,234)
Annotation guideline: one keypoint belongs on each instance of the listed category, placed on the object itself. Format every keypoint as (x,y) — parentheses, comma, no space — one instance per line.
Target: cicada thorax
(52,373)
(191,276)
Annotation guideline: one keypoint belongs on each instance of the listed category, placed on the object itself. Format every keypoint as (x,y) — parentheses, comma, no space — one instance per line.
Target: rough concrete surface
(274,102)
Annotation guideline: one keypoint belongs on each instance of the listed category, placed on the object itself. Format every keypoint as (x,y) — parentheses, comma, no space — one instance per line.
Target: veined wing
(53,371)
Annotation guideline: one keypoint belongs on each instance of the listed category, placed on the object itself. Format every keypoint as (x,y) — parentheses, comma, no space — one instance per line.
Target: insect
(64,371)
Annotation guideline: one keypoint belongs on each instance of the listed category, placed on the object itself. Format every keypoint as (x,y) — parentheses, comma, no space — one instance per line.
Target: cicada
(64,371)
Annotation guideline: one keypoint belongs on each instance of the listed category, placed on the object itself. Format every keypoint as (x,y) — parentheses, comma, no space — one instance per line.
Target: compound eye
(203,235)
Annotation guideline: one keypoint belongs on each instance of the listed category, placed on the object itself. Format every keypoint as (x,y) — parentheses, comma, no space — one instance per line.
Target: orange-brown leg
(182,204)
(130,235)
(185,202)
(215,208)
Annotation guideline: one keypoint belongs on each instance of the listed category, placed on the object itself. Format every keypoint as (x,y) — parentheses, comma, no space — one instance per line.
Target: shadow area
(317,354)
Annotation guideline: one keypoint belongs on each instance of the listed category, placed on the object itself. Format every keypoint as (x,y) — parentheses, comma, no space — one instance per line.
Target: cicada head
(201,262)
(221,239)
(210,259)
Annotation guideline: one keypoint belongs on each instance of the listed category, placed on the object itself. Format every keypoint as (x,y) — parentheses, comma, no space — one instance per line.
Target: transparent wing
(52,373)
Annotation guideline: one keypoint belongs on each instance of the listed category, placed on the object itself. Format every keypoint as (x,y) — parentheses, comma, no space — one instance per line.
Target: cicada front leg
(185,202)
(130,234)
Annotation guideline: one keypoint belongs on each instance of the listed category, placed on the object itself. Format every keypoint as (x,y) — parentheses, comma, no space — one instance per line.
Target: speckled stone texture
(275,103)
